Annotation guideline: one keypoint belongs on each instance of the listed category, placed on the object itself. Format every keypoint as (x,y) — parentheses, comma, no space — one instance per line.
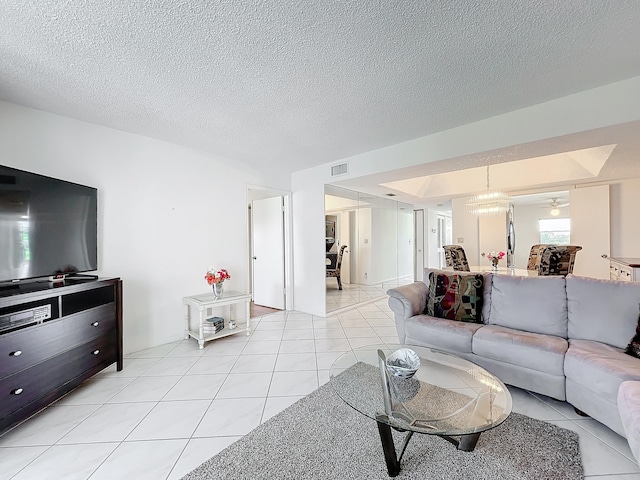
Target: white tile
(110,423)
(276,324)
(531,406)
(389,331)
(332,345)
(297,346)
(212,365)
(155,352)
(606,435)
(298,317)
(198,451)
(354,323)
(125,462)
(354,332)
(244,385)
(227,417)
(187,348)
(381,322)
(323,377)
(299,323)
(145,389)
(325,359)
(170,420)
(295,361)
(351,314)
(261,347)
(321,333)
(14,459)
(364,341)
(171,366)
(71,462)
(377,315)
(131,368)
(224,348)
(260,335)
(298,334)
(275,405)
(196,387)
(48,426)
(96,391)
(255,363)
(293,383)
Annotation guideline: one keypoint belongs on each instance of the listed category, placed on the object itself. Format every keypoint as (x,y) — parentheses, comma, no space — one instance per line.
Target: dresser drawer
(29,385)
(25,348)
(90,324)
(625,273)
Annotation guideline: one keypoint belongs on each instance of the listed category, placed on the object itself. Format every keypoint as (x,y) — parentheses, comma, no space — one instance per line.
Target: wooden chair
(334,270)
(456,258)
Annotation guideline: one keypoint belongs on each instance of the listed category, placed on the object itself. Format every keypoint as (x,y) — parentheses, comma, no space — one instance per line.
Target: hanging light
(490,203)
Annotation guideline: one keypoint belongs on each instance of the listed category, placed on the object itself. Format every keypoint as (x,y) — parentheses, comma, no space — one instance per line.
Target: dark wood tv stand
(42,360)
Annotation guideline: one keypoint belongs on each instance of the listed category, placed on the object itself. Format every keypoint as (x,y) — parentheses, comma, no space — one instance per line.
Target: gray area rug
(321,437)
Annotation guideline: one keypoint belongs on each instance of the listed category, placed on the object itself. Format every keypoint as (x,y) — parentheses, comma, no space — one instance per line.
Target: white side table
(205,304)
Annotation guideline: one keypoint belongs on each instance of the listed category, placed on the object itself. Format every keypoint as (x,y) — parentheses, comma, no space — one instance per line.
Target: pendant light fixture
(491,203)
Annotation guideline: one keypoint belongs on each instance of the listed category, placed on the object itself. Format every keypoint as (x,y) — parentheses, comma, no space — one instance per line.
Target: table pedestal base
(466,444)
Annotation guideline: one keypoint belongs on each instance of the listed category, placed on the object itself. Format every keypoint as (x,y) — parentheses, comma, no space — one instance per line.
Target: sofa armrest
(405,302)
(408,300)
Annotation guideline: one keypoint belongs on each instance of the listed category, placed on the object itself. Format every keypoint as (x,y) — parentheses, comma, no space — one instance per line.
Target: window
(555,231)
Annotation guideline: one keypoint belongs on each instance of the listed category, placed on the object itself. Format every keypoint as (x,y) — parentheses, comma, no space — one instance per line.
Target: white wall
(465,227)
(526,219)
(624,201)
(166,212)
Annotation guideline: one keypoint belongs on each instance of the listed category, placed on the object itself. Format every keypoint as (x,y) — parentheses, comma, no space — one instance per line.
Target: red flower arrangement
(216,277)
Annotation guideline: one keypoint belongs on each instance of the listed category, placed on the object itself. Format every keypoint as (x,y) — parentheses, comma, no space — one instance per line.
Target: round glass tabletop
(447,396)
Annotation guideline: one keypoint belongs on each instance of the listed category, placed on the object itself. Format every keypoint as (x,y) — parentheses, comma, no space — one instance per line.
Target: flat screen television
(48,227)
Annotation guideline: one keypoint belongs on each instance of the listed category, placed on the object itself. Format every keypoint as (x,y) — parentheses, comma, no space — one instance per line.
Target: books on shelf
(213,325)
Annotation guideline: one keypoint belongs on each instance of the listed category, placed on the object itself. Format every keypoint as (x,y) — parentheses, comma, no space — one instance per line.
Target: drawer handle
(96,352)
(17,353)
(95,324)
(17,391)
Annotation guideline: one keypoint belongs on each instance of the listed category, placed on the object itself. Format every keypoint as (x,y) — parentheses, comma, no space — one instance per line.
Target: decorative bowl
(403,363)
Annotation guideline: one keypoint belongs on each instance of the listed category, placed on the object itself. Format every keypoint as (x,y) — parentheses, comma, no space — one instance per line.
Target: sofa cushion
(455,297)
(599,368)
(602,310)
(440,333)
(532,304)
(544,353)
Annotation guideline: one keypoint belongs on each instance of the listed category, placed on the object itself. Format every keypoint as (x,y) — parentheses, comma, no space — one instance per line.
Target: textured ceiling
(304,82)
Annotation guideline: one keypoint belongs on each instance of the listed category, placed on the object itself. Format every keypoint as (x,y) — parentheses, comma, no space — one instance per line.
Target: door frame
(255,192)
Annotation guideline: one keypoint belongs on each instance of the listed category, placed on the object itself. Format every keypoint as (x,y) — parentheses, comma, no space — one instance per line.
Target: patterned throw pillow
(455,297)
(633,348)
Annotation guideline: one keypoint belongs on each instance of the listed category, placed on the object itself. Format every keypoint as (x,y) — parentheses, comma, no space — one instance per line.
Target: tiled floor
(174,406)
(352,294)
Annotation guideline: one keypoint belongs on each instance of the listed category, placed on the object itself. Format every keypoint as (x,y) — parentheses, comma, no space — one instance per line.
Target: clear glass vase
(217,289)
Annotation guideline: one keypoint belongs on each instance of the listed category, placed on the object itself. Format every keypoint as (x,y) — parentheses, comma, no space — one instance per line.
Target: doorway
(269,249)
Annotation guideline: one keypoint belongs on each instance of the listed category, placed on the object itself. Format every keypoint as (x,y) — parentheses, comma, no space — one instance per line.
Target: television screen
(47,226)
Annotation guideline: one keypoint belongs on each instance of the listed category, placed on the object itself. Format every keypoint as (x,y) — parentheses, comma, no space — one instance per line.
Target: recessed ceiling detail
(576,165)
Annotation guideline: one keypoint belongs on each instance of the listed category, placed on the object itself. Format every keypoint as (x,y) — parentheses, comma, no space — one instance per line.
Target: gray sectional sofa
(561,337)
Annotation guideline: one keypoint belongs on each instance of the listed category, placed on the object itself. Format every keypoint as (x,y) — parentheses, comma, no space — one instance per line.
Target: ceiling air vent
(341,169)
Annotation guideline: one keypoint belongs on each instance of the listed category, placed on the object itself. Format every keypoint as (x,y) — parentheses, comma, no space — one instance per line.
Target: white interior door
(590,229)
(267,224)
(418,245)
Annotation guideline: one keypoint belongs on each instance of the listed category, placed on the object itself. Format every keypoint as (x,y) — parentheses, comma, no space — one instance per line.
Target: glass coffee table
(448,396)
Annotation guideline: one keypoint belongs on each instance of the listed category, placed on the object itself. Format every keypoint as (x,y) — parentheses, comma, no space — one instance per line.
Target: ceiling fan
(555,206)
